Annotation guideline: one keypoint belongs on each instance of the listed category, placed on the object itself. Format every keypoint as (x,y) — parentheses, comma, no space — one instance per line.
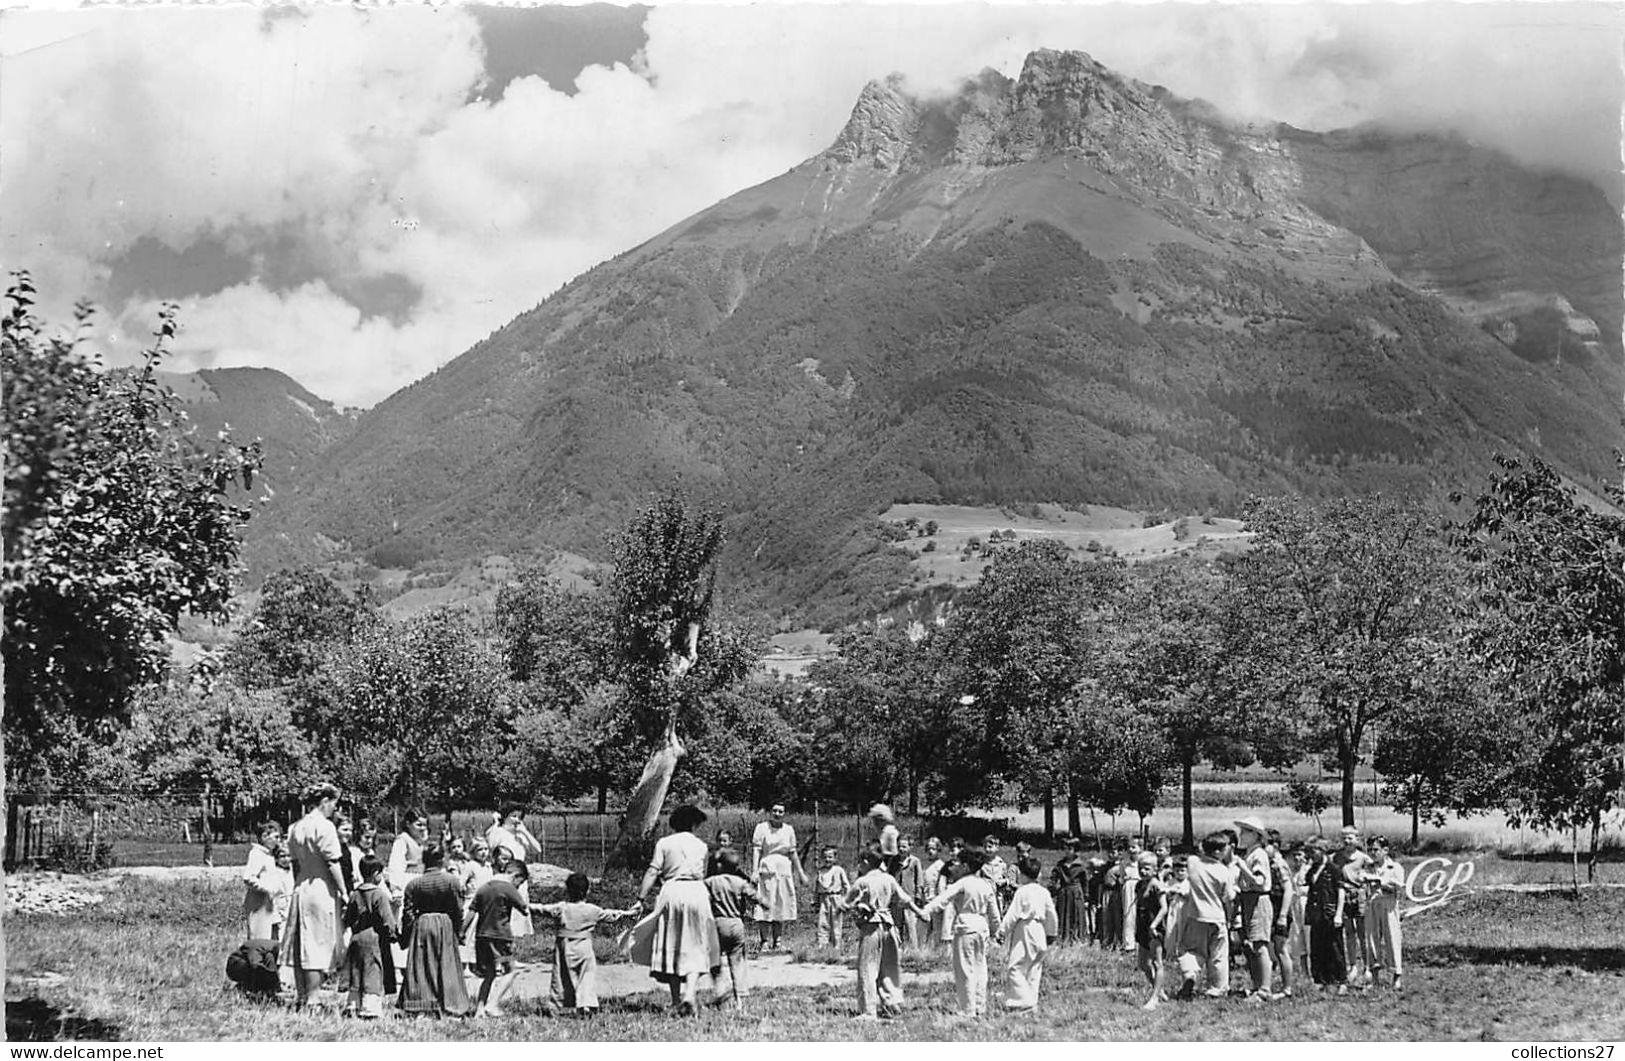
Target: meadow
(147,963)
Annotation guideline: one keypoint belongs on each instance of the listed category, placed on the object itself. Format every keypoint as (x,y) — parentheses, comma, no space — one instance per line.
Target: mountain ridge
(1062,287)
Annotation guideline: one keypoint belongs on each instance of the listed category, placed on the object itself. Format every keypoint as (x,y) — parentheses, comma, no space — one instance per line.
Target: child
(1298,931)
(475,872)
(575,983)
(975,907)
(1323,886)
(831,885)
(910,878)
(1204,939)
(931,883)
(279,886)
(258,909)
(732,895)
(1150,925)
(1384,880)
(996,870)
(1029,925)
(370,917)
(493,910)
(880,974)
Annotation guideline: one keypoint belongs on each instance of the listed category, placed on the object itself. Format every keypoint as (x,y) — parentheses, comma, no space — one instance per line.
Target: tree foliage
(117,522)
(1549,572)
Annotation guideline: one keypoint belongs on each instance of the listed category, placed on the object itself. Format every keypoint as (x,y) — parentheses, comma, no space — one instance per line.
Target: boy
(1150,925)
(1351,860)
(574,963)
(910,878)
(1256,878)
(995,869)
(1384,880)
(831,885)
(1204,945)
(880,973)
(732,897)
(975,907)
(370,917)
(492,909)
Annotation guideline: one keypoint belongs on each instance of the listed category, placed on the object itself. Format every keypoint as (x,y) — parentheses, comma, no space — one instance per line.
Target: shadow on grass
(1591,959)
(36,1020)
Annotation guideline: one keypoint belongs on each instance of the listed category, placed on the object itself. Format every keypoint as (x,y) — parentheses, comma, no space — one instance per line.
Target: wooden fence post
(208,834)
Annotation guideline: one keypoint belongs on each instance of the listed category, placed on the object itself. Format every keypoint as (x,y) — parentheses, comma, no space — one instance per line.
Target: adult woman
(258,909)
(432,925)
(1066,881)
(511,833)
(312,943)
(678,941)
(774,858)
(406,854)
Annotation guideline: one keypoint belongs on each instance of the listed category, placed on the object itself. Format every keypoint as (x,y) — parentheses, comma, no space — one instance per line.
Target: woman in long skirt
(678,941)
(1067,882)
(432,925)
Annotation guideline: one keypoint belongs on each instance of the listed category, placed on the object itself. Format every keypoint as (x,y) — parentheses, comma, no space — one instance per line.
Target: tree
(301,616)
(1335,610)
(1169,660)
(1021,640)
(1549,572)
(117,522)
(421,706)
(661,586)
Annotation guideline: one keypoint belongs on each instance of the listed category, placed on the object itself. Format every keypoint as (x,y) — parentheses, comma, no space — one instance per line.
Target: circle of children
(321,905)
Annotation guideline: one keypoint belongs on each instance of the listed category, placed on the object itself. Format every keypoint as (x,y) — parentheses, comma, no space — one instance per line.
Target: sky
(356,195)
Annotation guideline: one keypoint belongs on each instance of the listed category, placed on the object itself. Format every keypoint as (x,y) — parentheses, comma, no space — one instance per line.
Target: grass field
(147,964)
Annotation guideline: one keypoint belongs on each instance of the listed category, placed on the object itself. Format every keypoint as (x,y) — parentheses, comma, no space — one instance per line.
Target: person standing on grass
(1351,861)
(473,874)
(1256,878)
(431,924)
(312,946)
(1150,925)
(775,866)
(932,882)
(872,898)
(280,880)
(1111,902)
(492,911)
(678,940)
(910,878)
(1384,880)
(1298,935)
(975,909)
(1283,897)
(1204,944)
(575,963)
(370,917)
(511,834)
(1323,885)
(1131,883)
(829,890)
(259,911)
(1171,926)
(887,839)
(1066,884)
(1028,927)
(732,897)
(406,854)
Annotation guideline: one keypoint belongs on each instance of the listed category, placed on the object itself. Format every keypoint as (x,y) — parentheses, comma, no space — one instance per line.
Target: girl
(1028,925)
(975,905)
(279,882)
(370,917)
(475,872)
(259,912)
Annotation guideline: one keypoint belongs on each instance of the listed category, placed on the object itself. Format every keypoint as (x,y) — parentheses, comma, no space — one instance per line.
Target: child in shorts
(492,910)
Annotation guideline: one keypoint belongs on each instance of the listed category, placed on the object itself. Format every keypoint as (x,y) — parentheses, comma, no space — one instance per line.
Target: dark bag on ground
(253,967)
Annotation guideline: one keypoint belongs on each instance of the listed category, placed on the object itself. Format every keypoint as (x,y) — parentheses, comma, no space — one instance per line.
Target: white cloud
(351,128)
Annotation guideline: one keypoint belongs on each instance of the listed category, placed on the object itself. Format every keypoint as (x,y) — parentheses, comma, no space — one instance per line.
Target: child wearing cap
(1256,878)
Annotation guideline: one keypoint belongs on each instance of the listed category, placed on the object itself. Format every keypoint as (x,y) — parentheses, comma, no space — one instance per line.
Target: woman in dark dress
(1066,882)
(431,923)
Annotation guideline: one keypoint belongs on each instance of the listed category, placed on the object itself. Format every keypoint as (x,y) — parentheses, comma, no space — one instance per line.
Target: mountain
(293,425)
(1068,287)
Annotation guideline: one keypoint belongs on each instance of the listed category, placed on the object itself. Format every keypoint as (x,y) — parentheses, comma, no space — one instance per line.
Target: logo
(1433,882)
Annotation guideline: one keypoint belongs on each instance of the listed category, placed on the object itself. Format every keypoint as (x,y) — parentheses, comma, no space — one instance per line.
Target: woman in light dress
(312,946)
(678,940)
(776,865)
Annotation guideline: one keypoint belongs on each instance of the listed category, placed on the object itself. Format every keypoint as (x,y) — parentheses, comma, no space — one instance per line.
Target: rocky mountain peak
(882,125)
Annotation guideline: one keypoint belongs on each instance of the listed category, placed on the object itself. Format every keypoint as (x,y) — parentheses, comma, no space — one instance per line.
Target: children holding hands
(575,965)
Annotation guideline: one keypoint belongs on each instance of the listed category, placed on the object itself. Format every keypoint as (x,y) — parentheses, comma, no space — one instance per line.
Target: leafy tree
(1335,610)
(301,616)
(1019,643)
(1549,572)
(1170,659)
(1119,754)
(1308,799)
(422,707)
(116,523)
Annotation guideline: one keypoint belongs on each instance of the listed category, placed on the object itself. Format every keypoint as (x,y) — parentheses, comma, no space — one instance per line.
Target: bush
(72,853)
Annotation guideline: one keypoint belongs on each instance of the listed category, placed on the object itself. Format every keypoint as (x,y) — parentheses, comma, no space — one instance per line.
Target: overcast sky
(356,196)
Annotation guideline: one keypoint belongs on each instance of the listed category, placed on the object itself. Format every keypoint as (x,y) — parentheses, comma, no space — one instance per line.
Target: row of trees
(1479,664)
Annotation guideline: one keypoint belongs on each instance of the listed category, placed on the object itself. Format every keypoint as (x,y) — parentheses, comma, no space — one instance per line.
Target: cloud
(334,199)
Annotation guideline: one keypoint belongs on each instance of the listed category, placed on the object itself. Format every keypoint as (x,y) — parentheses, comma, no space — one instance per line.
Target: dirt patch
(53,893)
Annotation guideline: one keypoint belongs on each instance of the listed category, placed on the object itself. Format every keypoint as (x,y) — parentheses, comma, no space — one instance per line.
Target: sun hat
(1250,823)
